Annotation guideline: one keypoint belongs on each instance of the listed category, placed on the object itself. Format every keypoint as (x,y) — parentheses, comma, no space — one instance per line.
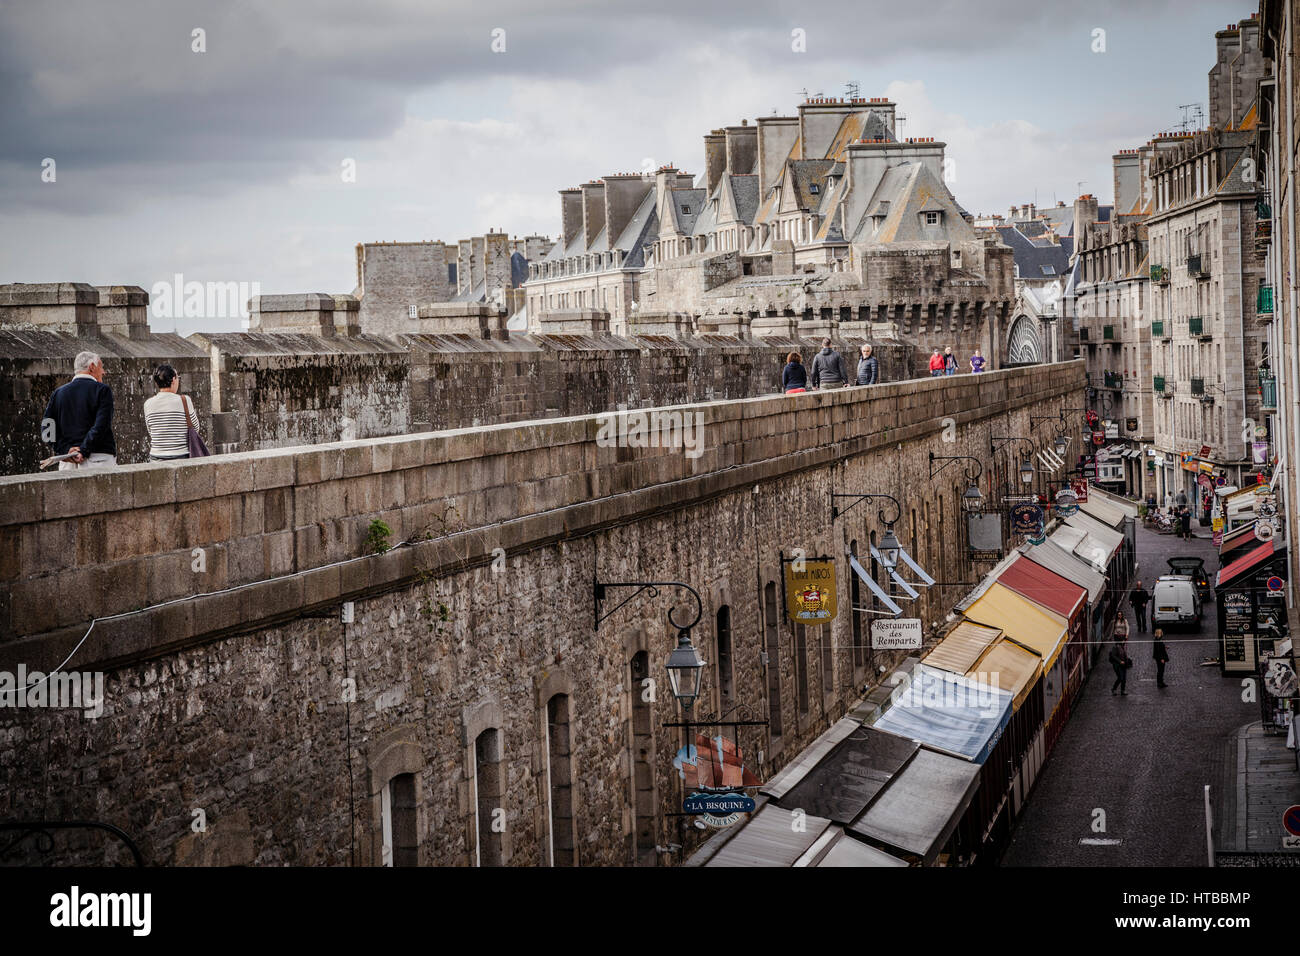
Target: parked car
(1175,601)
(1195,569)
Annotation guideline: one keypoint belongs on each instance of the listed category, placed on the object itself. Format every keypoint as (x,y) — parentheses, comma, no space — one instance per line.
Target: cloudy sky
(229,165)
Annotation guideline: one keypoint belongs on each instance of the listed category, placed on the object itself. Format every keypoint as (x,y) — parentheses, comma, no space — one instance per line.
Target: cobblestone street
(1142,760)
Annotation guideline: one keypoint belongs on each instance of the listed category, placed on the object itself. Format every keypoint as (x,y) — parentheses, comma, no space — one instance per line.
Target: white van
(1175,601)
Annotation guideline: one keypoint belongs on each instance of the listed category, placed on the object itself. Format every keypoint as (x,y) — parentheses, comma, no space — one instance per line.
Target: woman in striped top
(168,416)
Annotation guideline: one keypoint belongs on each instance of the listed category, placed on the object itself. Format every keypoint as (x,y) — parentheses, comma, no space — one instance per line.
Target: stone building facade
(452,700)
(820,223)
(1206,280)
(1275,235)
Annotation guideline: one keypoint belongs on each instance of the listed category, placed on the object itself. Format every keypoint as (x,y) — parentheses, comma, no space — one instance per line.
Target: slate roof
(687,204)
(744,191)
(518,269)
(911,189)
(1032,256)
(804,174)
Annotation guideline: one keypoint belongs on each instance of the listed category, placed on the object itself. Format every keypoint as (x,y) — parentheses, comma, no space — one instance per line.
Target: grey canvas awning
(843,784)
(769,839)
(919,810)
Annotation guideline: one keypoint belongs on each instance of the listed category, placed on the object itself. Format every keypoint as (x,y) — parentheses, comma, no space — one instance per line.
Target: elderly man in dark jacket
(80,414)
(868,367)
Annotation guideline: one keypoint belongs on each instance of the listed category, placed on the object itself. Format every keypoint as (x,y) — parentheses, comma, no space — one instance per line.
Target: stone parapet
(123,310)
(572,322)
(54,306)
(126,538)
(308,312)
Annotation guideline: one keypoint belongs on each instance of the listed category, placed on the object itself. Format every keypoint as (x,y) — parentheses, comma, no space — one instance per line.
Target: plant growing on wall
(377,537)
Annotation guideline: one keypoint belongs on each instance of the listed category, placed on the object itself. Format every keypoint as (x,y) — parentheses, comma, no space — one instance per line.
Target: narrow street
(1141,760)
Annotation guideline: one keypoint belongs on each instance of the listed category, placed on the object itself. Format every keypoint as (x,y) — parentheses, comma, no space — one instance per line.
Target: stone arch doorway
(1024,347)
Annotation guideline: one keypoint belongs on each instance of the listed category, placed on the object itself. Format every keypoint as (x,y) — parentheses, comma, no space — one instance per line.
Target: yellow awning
(1022,620)
(962,647)
(1009,667)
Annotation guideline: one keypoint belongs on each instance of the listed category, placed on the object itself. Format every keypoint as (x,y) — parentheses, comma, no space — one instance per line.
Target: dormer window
(814,188)
(686,210)
(1049,270)
(932,219)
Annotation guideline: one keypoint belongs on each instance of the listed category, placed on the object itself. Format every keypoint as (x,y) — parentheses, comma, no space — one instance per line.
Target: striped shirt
(167,416)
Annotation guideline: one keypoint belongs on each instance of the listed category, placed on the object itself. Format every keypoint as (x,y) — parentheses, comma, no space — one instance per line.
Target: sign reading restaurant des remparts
(810,590)
(896,634)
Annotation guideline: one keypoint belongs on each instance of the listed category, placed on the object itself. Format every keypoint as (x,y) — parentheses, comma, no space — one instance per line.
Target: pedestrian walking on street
(1120,660)
(936,364)
(1161,657)
(1139,599)
(82,413)
(977,362)
(828,368)
(868,367)
(1185,523)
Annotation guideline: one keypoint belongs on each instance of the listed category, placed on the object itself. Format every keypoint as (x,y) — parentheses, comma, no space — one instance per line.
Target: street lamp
(1026,471)
(1062,443)
(685,669)
(889,547)
(972,500)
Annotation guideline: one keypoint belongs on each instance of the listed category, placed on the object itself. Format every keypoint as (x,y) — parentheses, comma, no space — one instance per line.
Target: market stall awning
(1032,625)
(1123,504)
(920,810)
(1069,567)
(949,712)
(973,595)
(845,782)
(768,839)
(813,754)
(1236,539)
(1103,511)
(1044,587)
(1011,667)
(1107,538)
(962,647)
(1249,561)
(844,850)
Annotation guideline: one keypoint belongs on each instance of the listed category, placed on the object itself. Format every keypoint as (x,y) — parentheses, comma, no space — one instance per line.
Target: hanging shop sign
(896,634)
(1280,679)
(1187,462)
(1067,502)
(1080,487)
(1099,438)
(1112,429)
(1259,452)
(984,534)
(1026,520)
(1131,424)
(810,592)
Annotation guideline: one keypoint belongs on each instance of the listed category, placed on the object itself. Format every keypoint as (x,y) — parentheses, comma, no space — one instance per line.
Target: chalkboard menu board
(1238,624)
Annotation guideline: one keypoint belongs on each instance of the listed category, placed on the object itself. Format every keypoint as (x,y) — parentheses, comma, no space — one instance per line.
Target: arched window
(490,789)
(641,742)
(397,811)
(559,769)
(725,675)
(773,645)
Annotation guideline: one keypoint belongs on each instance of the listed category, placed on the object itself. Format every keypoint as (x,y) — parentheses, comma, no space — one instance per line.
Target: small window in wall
(725,686)
(1048,270)
(560,768)
(814,188)
(932,219)
(801,665)
(397,813)
(686,210)
(412,312)
(488,785)
(773,646)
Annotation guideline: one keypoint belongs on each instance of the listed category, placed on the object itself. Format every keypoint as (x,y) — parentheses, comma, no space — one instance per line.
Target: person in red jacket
(936,363)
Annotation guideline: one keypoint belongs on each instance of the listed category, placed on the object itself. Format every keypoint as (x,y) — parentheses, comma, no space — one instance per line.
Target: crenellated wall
(234,685)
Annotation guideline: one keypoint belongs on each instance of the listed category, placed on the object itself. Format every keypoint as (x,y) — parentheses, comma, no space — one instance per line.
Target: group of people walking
(81,412)
(946,364)
(1119,658)
(828,370)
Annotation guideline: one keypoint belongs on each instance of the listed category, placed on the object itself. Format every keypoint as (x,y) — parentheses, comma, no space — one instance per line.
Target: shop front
(1251,602)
